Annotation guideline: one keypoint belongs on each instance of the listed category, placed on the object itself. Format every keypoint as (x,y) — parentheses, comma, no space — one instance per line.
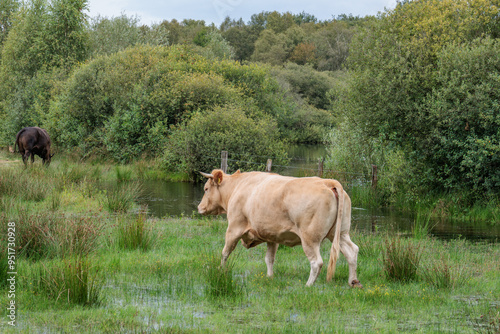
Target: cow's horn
(208,176)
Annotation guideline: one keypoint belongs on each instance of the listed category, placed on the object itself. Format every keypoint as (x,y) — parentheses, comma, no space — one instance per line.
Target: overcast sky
(155,11)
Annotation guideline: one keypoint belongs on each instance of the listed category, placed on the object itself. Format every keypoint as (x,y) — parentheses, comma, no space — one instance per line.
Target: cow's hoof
(356,284)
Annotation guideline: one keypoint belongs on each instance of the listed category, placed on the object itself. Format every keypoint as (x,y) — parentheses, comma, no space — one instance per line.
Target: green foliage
(111,35)
(421,83)
(7,10)
(45,41)
(123,105)
(196,145)
(310,84)
(463,146)
(216,47)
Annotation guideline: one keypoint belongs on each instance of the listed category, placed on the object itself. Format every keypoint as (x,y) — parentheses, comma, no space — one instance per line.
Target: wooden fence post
(269,165)
(320,167)
(374,177)
(223,163)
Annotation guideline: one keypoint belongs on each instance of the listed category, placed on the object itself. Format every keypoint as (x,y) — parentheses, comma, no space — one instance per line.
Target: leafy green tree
(110,35)
(242,39)
(66,34)
(463,117)
(45,41)
(397,88)
(7,10)
(270,48)
(217,47)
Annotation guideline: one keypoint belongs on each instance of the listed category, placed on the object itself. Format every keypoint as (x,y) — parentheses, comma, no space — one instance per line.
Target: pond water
(177,198)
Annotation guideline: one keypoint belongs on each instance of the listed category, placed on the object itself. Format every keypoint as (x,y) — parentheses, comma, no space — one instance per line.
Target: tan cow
(263,207)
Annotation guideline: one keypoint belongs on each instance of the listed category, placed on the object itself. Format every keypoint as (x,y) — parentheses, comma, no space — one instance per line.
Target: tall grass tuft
(28,184)
(4,264)
(136,233)
(442,275)
(46,235)
(123,173)
(121,198)
(401,259)
(220,280)
(422,226)
(73,280)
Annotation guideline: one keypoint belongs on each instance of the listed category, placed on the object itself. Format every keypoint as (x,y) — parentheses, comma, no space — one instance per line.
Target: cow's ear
(218,174)
(237,172)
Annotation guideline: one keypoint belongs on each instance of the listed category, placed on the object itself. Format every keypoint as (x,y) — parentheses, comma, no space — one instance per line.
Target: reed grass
(136,232)
(121,198)
(443,275)
(46,235)
(72,280)
(220,280)
(401,259)
(422,226)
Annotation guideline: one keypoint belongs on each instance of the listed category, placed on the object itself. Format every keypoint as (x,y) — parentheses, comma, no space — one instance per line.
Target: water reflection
(177,198)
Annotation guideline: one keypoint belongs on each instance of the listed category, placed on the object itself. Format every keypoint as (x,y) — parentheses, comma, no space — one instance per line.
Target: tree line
(413,90)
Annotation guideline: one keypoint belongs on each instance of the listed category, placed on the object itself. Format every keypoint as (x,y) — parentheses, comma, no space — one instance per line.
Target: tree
(396,87)
(110,35)
(7,10)
(45,41)
(270,48)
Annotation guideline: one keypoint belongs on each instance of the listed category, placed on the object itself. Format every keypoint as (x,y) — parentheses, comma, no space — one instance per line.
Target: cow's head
(48,157)
(211,202)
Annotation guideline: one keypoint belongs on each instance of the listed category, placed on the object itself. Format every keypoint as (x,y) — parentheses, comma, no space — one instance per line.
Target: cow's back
(277,205)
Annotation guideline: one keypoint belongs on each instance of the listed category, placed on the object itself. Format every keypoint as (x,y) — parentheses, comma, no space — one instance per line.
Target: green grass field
(88,263)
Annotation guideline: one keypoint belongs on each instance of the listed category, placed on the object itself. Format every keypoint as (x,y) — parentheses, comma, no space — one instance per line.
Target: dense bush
(124,104)
(196,145)
(430,90)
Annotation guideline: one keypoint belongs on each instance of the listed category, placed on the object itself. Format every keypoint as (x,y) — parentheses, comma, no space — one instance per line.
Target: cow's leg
(32,158)
(26,157)
(232,238)
(350,251)
(314,256)
(270,255)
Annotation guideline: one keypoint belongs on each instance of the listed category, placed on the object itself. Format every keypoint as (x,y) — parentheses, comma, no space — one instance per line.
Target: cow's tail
(17,140)
(338,191)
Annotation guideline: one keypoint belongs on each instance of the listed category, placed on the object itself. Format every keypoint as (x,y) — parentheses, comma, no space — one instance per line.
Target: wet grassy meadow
(91,260)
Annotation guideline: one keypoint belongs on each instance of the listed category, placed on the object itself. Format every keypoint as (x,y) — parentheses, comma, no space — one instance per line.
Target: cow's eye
(206,189)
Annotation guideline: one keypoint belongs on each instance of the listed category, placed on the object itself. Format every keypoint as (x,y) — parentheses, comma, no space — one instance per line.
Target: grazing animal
(263,207)
(31,141)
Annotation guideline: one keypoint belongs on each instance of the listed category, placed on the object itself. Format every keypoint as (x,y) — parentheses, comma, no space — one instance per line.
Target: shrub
(196,145)
(401,259)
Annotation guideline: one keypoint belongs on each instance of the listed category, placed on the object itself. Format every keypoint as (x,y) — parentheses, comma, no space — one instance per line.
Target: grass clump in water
(220,281)
(74,280)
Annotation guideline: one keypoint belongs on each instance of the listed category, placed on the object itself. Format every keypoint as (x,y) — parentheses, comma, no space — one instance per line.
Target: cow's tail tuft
(335,250)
